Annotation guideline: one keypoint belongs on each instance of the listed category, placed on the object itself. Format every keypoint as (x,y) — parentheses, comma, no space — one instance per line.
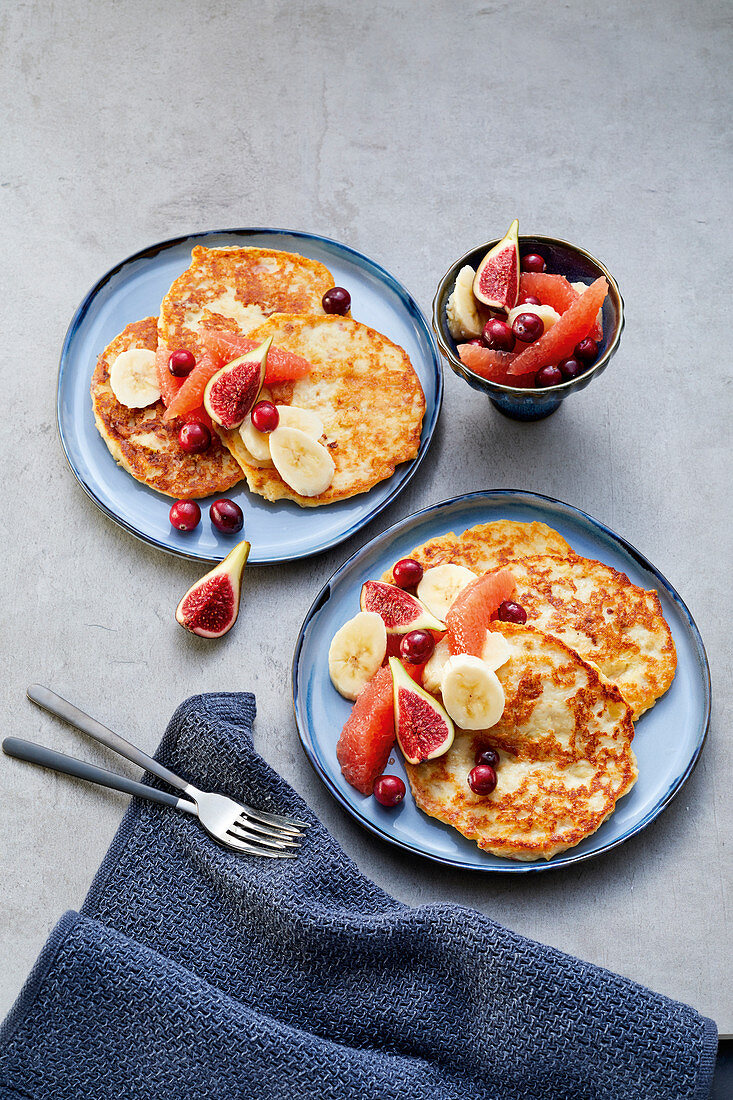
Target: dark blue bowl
(561,258)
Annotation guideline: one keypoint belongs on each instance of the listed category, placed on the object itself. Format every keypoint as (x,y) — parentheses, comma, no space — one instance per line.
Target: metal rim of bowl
(461,369)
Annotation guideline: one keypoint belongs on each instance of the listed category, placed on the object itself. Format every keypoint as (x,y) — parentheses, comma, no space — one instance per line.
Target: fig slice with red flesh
(401,611)
(210,607)
(232,392)
(496,283)
(424,730)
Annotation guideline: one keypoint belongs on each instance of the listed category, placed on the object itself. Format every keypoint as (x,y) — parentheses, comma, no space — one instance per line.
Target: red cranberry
(528,300)
(336,300)
(181,363)
(226,516)
(417,646)
(194,437)
(265,416)
(407,573)
(487,756)
(511,612)
(478,341)
(528,327)
(497,335)
(586,350)
(389,790)
(533,262)
(482,779)
(547,376)
(570,368)
(185,515)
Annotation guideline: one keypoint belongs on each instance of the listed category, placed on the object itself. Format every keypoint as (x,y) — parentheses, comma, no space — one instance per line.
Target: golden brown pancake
(364,389)
(236,289)
(488,545)
(609,621)
(146,445)
(565,757)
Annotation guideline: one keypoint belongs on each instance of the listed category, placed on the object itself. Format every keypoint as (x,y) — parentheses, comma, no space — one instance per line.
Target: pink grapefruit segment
(492,365)
(471,612)
(368,736)
(169,386)
(221,348)
(555,291)
(559,341)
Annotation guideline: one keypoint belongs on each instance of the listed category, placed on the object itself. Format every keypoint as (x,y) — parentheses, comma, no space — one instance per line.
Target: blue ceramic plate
(277,532)
(668,739)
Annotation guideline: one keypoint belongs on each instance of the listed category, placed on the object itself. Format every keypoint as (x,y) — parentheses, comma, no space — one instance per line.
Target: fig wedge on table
(210,607)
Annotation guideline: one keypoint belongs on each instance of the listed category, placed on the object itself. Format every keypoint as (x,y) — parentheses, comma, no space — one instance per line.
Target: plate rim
(512,866)
(150,252)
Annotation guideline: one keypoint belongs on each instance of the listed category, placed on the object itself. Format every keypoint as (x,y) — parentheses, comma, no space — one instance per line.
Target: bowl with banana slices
(528,320)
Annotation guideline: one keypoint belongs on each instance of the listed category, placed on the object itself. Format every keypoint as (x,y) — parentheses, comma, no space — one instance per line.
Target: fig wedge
(210,607)
(232,392)
(424,730)
(496,283)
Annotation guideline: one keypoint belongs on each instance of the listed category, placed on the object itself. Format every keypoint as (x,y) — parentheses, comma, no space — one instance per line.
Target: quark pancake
(364,389)
(564,743)
(488,545)
(599,612)
(146,445)
(236,289)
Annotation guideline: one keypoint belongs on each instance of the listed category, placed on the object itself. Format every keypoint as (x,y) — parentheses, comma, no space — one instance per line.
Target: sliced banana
(133,378)
(464,321)
(258,443)
(249,458)
(472,694)
(305,465)
(356,652)
(432,674)
(496,650)
(546,314)
(440,585)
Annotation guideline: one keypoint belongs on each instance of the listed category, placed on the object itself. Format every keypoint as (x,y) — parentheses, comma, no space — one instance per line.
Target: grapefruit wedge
(368,736)
(555,291)
(472,610)
(559,341)
(492,365)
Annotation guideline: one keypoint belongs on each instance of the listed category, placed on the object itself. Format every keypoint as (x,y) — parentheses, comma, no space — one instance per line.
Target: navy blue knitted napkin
(195,972)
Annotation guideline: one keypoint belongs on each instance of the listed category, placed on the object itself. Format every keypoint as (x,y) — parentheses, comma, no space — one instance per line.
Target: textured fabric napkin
(194,972)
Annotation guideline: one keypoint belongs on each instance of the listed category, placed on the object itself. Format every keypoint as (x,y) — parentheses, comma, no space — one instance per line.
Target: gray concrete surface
(410,134)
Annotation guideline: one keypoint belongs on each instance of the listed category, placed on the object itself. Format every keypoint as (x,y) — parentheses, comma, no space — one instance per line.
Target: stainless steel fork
(232,823)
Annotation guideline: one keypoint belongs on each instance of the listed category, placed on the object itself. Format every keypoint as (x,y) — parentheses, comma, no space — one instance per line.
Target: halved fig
(232,392)
(496,284)
(401,611)
(210,607)
(424,730)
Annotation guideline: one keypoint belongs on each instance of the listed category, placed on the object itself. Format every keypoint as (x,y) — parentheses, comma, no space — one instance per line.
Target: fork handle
(53,703)
(69,765)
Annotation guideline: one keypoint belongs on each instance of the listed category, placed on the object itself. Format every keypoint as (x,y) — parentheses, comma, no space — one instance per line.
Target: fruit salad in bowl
(528,320)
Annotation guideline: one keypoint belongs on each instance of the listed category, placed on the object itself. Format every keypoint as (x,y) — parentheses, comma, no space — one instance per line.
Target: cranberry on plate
(337,300)
(226,516)
(389,790)
(482,779)
(511,612)
(185,515)
(417,646)
(407,573)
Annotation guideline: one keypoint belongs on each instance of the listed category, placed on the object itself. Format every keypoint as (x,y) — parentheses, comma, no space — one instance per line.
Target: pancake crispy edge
(364,389)
(564,743)
(488,545)
(144,444)
(236,289)
(609,620)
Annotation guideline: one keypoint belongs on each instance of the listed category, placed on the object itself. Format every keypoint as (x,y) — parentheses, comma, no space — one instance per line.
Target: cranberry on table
(511,612)
(532,262)
(185,515)
(528,327)
(528,300)
(389,790)
(181,363)
(226,516)
(407,573)
(571,368)
(336,300)
(497,335)
(265,416)
(417,646)
(548,376)
(586,350)
(482,779)
(487,756)
(194,437)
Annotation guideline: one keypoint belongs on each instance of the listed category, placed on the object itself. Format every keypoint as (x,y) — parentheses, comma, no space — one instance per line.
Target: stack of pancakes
(361,385)
(594,654)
